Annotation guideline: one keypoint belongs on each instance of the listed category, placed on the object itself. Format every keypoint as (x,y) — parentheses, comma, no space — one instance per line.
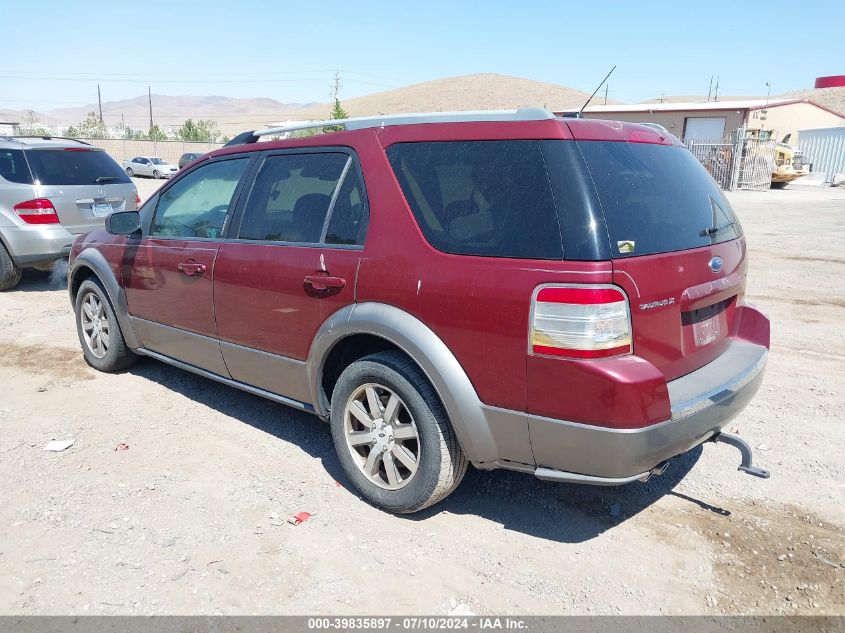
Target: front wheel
(156,174)
(99,333)
(129,172)
(392,436)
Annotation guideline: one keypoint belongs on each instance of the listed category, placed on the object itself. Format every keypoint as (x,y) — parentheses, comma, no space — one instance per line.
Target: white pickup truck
(151,166)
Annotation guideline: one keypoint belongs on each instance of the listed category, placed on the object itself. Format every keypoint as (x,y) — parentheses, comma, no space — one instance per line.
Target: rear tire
(156,174)
(129,172)
(99,332)
(10,273)
(408,458)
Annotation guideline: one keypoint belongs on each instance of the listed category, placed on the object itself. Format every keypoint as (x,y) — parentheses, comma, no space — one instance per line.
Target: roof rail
(360,123)
(47,138)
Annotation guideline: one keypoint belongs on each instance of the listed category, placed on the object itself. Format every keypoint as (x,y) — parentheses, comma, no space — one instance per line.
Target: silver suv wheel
(95,325)
(381,436)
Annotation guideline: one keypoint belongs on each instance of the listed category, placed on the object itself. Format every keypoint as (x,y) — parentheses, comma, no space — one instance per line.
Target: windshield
(74,167)
(657,199)
(158,161)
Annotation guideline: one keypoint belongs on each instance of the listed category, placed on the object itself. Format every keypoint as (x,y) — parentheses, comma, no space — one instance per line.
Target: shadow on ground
(559,512)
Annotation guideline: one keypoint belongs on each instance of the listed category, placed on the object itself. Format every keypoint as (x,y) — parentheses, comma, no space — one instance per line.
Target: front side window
(490,198)
(291,197)
(197,205)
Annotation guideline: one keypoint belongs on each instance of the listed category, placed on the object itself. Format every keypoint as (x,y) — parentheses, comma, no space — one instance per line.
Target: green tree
(337,114)
(91,127)
(205,131)
(30,125)
(156,133)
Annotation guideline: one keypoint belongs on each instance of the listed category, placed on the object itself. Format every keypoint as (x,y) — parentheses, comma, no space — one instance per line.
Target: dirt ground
(191,519)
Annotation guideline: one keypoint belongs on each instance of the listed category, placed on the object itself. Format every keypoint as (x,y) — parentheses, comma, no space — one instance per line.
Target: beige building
(9,128)
(718,119)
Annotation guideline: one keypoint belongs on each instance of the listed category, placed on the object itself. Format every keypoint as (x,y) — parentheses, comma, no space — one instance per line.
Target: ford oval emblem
(716,264)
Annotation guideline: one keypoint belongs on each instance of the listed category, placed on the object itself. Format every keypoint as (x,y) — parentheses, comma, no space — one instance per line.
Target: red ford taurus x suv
(564,297)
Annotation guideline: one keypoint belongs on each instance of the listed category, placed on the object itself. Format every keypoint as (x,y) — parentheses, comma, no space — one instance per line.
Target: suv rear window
(74,167)
(13,166)
(488,198)
(657,199)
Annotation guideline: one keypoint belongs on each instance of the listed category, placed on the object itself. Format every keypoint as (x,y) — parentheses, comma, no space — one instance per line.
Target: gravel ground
(191,519)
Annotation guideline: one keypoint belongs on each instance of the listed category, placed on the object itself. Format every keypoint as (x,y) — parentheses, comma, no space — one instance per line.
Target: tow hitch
(745,450)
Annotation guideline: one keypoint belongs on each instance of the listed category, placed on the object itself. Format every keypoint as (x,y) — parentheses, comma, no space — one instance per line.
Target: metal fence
(740,163)
(825,149)
(123,149)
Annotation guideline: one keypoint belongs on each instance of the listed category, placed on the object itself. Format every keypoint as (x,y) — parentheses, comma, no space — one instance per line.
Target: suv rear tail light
(37,211)
(580,322)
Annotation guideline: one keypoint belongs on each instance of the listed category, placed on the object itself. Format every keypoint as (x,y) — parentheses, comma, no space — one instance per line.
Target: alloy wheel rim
(381,436)
(95,325)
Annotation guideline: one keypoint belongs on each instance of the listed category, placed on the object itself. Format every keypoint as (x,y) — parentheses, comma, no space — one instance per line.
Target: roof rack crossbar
(360,123)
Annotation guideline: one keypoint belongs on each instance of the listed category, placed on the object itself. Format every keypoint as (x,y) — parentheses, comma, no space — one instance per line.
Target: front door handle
(324,284)
(191,268)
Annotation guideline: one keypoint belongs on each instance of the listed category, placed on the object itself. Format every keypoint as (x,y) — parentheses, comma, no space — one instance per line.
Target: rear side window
(489,198)
(290,199)
(74,167)
(13,166)
(657,199)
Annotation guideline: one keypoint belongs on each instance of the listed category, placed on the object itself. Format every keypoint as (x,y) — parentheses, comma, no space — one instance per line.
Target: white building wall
(825,149)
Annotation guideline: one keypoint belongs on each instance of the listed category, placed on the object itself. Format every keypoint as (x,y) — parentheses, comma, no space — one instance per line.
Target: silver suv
(51,190)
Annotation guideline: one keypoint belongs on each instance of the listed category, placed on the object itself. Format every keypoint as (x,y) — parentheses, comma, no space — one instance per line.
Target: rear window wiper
(106,179)
(712,230)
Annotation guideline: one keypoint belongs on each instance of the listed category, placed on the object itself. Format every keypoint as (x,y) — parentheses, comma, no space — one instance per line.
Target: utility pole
(334,88)
(716,91)
(100,102)
(150,99)
(710,89)
(662,95)
(605,93)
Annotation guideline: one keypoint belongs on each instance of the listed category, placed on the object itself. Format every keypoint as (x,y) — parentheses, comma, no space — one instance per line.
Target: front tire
(99,333)
(156,174)
(392,435)
(10,273)
(129,172)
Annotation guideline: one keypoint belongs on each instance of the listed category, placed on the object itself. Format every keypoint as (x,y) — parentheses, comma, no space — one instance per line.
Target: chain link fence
(740,163)
(124,149)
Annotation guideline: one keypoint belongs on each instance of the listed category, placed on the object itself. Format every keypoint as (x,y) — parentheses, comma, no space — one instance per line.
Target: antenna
(596,90)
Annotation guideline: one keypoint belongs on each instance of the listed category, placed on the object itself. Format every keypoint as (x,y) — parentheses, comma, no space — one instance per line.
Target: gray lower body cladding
(703,402)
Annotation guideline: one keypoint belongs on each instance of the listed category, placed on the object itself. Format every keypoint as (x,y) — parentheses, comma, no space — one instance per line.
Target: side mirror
(123,223)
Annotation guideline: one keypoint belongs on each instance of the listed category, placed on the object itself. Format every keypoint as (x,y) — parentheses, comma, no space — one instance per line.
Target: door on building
(704,128)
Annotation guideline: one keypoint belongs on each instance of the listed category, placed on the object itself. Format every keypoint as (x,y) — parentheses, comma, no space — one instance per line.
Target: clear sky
(54,53)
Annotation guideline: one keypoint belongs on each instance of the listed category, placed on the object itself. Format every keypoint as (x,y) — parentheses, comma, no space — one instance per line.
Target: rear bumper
(702,402)
(36,244)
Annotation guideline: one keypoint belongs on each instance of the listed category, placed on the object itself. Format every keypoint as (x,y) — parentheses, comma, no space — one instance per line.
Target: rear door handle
(191,268)
(322,283)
